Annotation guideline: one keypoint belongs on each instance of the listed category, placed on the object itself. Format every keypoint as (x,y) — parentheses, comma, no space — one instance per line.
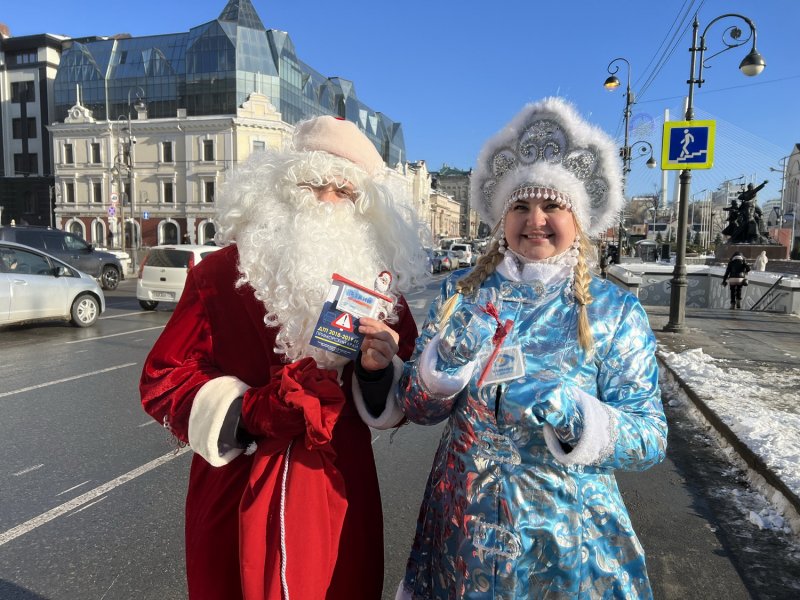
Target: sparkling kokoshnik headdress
(548,146)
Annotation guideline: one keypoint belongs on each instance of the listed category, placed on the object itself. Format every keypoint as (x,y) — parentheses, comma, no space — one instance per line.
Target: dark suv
(73,250)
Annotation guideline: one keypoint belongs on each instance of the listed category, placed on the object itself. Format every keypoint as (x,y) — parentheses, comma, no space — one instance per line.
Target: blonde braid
(580,289)
(485,266)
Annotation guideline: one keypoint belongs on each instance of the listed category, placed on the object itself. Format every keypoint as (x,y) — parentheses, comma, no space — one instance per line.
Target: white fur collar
(548,273)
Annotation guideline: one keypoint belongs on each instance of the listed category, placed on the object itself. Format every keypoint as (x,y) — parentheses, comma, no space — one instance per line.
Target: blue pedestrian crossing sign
(688,145)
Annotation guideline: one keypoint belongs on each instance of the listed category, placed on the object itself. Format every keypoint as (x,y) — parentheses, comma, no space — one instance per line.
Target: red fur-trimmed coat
(214,348)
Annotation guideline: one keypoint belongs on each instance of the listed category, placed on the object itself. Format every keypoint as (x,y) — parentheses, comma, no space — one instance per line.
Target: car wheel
(109,278)
(148,304)
(85,310)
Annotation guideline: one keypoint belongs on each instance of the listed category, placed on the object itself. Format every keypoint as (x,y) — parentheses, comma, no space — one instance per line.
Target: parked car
(445,260)
(73,250)
(35,285)
(434,261)
(162,272)
(463,252)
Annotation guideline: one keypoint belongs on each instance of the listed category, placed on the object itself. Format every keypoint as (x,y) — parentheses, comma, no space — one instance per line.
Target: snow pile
(761,405)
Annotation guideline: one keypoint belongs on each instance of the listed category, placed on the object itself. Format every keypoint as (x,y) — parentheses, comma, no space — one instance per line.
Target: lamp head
(651,163)
(753,63)
(140,104)
(611,83)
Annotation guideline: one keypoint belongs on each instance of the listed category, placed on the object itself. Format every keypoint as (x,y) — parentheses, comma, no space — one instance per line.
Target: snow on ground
(762,407)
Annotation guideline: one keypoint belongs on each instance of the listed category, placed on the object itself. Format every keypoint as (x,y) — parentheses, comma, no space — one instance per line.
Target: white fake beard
(289,258)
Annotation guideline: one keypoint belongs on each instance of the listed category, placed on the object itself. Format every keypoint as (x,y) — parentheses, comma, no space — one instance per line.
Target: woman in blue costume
(548,380)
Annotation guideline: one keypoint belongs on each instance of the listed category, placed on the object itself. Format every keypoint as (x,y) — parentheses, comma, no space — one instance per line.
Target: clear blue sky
(454,72)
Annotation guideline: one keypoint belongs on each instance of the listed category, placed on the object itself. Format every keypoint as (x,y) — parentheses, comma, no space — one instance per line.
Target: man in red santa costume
(283,499)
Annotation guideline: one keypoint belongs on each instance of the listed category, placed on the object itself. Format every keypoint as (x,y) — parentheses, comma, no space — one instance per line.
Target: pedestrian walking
(760,264)
(548,379)
(735,278)
(299,513)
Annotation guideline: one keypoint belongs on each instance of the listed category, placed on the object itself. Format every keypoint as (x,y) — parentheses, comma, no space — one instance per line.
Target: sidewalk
(742,371)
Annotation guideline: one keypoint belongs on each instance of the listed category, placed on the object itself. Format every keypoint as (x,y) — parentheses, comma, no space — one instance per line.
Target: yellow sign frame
(668,163)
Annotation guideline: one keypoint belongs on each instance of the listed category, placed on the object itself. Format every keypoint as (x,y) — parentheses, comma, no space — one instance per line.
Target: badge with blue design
(508,364)
(347,301)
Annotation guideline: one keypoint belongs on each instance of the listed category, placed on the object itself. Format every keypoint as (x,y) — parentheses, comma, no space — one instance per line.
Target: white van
(464,254)
(162,273)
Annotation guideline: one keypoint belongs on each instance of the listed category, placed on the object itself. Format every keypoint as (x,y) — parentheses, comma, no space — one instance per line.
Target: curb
(753,461)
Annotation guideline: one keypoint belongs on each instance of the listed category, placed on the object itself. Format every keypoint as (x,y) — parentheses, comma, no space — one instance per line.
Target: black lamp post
(751,65)
(127,163)
(626,152)
(612,83)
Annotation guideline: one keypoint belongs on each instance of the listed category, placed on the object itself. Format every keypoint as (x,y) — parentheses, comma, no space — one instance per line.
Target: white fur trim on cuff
(392,414)
(439,383)
(597,439)
(402,593)
(211,404)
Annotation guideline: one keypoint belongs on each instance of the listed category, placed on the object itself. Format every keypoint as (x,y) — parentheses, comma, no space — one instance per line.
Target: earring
(501,245)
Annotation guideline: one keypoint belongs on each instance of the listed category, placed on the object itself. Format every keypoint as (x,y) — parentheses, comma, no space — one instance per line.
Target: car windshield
(168,257)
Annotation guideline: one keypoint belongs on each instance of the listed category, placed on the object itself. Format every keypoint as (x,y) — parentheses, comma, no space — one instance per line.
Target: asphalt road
(91,490)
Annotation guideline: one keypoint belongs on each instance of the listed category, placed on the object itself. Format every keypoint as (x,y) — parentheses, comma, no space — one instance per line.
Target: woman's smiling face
(539,228)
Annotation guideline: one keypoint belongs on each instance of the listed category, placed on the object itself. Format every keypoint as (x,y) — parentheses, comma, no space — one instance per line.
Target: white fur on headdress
(548,144)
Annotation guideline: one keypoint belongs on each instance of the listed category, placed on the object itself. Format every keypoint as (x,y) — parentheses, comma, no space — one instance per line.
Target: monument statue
(745,223)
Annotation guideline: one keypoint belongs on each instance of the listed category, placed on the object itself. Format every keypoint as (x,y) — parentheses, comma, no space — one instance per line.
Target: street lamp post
(128,161)
(612,83)
(751,65)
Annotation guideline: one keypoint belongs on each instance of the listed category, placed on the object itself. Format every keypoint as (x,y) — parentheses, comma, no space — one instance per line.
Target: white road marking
(141,312)
(82,508)
(146,423)
(375,439)
(57,381)
(105,337)
(73,487)
(58,511)
(28,470)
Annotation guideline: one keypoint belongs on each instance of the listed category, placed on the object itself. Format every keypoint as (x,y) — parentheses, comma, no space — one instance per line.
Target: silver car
(35,285)
(162,273)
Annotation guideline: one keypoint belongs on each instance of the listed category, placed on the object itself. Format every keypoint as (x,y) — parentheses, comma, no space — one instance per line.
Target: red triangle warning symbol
(343,321)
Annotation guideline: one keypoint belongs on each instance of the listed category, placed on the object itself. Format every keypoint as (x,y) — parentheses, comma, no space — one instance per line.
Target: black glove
(745,282)
(724,283)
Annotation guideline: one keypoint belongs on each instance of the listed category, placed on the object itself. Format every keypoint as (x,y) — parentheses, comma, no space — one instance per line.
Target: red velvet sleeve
(179,363)
(406,327)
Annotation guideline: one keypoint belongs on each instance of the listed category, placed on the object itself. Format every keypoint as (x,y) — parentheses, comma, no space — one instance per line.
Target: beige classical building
(158,175)
(456,184)
(161,176)
(445,216)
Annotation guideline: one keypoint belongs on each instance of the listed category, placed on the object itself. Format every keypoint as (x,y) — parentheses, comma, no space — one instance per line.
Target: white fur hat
(338,137)
(549,145)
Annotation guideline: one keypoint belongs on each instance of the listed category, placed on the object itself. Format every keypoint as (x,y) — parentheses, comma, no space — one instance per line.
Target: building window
(169,191)
(23,91)
(26,164)
(208,150)
(95,149)
(23,129)
(166,152)
(70,188)
(97,191)
(126,193)
(22,58)
(259,146)
(209,191)
(69,157)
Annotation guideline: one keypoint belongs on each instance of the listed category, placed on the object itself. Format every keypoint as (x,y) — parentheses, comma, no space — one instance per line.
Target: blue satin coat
(501,516)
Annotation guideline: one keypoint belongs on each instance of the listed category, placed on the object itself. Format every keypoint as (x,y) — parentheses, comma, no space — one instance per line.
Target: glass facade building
(211,70)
